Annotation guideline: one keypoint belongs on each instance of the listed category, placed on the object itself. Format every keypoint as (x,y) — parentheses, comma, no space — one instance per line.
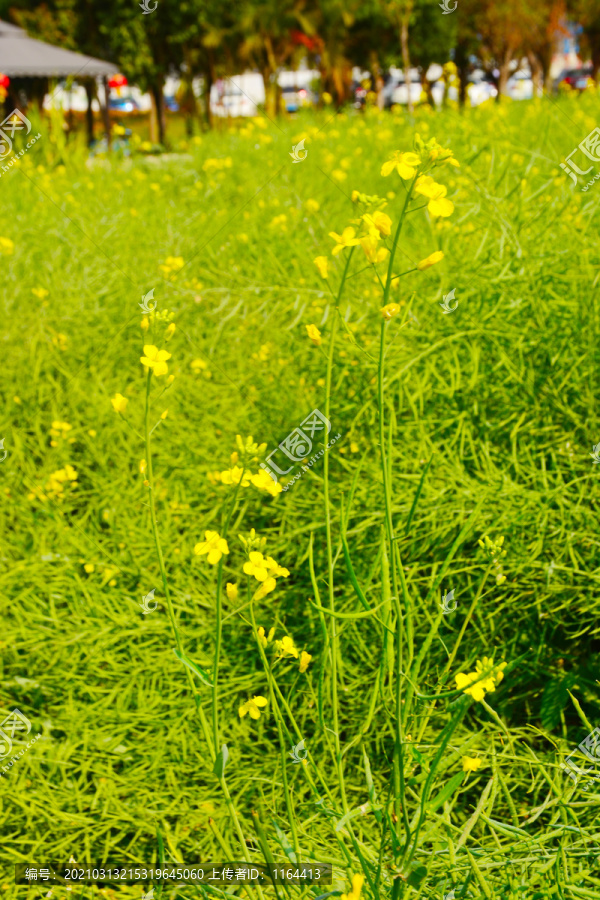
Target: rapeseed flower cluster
(482,681)
(55,486)
(495,553)
(59,432)
(371,229)
(285,648)
(265,570)
(171,266)
(248,453)
(149,320)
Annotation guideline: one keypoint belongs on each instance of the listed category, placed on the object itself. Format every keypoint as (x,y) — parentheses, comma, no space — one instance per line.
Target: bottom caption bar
(201,873)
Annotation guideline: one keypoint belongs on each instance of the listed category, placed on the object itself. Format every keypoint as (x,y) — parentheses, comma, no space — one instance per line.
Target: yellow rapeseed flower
(436,194)
(373,253)
(405,164)
(119,403)
(312,206)
(430,260)
(305,659)
(263,481)
(214,545)
(256,565)
(266,587)
(155,359)
(253,707)
(170,331)
(314,334)
(321,262)
(378,223)
(236,475)
(471,764)
(6,246)
(345,239)
(231,590)
(390,310)
(357,883)
(286,648)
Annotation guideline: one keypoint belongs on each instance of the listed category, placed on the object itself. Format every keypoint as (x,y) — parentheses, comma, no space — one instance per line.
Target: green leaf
(221,761)
(284,843)
(417,876)
(191,665)
(555,699)
(446,792)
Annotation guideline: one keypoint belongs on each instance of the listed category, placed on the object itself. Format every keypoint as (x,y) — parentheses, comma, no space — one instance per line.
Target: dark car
(575,78)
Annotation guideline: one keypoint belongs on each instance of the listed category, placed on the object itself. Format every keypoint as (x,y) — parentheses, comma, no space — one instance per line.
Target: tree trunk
(208,79)
(504,73)
(273,91)
(158,102)
(428,88)
(270,93)
(89,113)
(406,57)
(339,81)
(105,111)
(537,73)
(593,36)
(461,60)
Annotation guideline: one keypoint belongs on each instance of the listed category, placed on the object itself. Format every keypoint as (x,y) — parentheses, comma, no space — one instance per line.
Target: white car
(400,93)
(519,86)
(481,90)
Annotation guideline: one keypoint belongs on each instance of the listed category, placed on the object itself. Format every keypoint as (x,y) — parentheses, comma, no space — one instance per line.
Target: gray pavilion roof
(24,57)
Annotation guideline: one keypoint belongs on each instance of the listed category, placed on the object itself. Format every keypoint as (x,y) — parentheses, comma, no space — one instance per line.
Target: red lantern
(4,81)
(117,81)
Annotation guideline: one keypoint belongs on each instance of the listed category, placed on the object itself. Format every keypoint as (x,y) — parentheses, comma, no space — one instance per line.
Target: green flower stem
(334,637)
(176,633)
(219,623)
(465,624)
(278,720)
(444,737)
(161,563)
(388,283)
(395,561)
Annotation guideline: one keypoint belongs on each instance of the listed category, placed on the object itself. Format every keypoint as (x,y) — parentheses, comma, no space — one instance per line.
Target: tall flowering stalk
(375,227)
(156,363)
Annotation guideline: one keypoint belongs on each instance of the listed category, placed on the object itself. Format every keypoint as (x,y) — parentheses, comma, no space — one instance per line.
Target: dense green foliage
(490,417)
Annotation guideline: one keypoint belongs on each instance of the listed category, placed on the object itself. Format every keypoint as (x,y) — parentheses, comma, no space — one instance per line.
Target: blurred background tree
(209,40)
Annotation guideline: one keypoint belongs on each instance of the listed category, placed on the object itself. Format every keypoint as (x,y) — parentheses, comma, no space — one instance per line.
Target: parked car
(396,90)
(358,93)
(519,86)
(171,104)
(123,105)
(481,87)
(575,78)
(295,98)
(233,103)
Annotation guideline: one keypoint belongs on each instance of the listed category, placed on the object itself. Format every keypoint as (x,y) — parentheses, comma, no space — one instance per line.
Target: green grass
(501,396)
